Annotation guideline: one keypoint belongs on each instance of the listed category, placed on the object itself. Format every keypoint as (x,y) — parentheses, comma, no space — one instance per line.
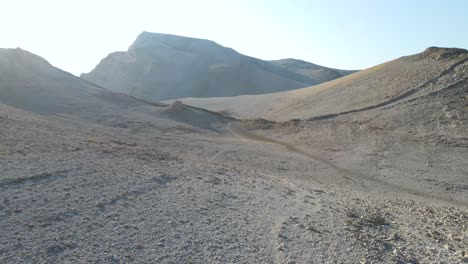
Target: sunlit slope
(433,69)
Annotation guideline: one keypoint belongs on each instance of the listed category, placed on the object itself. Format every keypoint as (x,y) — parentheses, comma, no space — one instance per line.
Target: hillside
(402,120)
(160,67)
(29,82)
(401,79)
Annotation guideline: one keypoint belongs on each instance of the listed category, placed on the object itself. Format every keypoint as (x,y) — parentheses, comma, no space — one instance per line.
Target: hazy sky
(76,35)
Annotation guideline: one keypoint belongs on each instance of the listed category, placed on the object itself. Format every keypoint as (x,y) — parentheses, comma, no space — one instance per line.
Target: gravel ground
(78,191)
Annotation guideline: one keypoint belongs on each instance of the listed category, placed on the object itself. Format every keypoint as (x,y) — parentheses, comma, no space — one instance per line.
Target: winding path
(236,129)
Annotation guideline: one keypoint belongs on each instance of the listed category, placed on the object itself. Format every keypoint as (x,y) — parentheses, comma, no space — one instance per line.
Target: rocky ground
(74,190)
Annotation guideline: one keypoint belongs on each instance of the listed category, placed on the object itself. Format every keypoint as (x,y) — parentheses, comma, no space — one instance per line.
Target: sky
(76,35)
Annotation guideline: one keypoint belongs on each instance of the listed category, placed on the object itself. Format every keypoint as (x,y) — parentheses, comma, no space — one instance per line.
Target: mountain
(433,71)
(29,82)
(160,66)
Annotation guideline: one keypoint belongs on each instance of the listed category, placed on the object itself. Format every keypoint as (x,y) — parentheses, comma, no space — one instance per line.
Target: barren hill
(434,70)
(29,82)
(160,66)
(404,118)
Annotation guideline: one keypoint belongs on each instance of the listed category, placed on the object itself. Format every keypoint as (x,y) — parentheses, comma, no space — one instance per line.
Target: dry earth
(119,180)
(78,192)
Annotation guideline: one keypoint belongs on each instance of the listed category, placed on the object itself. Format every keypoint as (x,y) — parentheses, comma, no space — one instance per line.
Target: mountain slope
(29,82)
(316,72)
(407,77)
(159,67)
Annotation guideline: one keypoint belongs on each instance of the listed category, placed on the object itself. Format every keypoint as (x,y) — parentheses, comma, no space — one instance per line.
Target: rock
(300,225)
(311,228)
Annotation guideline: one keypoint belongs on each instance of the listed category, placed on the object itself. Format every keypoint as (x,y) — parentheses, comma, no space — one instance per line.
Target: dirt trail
(237,130)
(372,181)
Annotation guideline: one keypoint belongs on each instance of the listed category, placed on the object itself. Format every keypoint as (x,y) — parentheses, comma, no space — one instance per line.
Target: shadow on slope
(29,82)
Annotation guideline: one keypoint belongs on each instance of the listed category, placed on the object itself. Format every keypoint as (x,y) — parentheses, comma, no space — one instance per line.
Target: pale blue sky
(76,35)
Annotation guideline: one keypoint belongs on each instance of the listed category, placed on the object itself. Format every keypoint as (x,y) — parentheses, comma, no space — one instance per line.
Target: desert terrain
(368,168)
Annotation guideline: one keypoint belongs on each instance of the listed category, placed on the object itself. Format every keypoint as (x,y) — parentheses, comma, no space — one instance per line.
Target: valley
(368,168)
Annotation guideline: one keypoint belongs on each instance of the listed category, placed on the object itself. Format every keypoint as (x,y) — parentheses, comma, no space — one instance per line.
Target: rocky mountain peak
(151,41)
